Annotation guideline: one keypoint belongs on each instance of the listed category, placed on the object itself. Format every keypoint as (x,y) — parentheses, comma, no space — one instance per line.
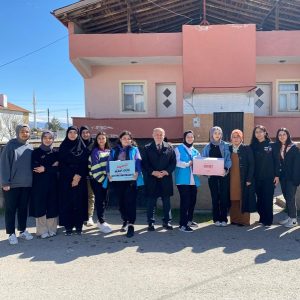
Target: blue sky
(26,25)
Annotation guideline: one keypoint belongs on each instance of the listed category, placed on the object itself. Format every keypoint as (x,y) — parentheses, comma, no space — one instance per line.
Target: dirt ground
(210,263)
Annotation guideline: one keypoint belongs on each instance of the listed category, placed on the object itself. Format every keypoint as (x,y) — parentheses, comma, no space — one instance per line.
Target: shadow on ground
(276,243)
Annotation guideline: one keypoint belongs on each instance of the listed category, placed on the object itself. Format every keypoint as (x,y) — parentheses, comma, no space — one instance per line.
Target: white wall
(221,102)
(7,119)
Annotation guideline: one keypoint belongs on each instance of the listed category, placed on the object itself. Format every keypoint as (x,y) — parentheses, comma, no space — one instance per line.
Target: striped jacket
(97,164)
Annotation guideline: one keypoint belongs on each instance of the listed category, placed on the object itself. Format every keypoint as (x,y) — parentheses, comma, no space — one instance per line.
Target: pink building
(228,75)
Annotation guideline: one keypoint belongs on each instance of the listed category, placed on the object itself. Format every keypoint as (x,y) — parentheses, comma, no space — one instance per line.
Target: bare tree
(8,124)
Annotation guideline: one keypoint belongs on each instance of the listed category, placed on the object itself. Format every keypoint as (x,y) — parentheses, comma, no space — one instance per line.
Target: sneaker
(90,222)
(124,227)
(104,227)
(192,224)
(291,223)
(217,223)
(151,227)
(185,229)
(168,226)
(130,231)
(267,225)
(78,232)
(68,232)
(282,222)
(45,235)
(52,233)
(12,239)
(224,224)
(25,235)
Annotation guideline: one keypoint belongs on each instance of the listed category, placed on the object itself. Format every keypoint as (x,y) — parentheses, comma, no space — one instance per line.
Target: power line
(32,52)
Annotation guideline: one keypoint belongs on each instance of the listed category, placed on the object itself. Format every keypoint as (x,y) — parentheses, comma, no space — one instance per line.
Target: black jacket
(290,165)
(44,198)
(246,163)
(266,160)
(153,160)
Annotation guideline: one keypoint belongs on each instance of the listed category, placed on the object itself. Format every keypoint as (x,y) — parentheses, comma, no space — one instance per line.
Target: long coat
(44,198)
(154,160)
(72,198)
(246,164)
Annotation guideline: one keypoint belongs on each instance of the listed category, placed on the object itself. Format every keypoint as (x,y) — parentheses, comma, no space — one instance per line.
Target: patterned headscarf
(241,135)
(239,132)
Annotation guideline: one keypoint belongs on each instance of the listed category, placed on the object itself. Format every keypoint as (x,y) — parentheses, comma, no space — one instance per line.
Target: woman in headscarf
(16,182)
(266,173)
(186,182)
(88,142)
(289,175)
(242,193)
(219,185)
(44,199)
(73,203)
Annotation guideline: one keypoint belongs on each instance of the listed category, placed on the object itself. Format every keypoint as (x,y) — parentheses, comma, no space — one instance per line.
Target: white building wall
(220,102)
(7,119)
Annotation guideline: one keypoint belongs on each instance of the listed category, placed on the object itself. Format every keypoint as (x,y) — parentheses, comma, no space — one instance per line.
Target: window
(289,96)
(133,97)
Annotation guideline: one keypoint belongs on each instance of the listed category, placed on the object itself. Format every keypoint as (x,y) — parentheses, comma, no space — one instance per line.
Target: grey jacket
(15,164)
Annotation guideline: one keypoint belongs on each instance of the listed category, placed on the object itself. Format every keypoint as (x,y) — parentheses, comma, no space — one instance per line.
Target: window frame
(288,110)
(122,83)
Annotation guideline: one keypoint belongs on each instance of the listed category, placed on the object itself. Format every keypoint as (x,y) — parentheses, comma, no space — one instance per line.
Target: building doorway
(166,99)
(229,121)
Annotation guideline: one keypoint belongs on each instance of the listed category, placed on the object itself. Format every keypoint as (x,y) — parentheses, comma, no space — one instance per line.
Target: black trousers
(289,191)
(16,200)
(264,191)
(188,197)
(125,193)
(74,219)
(151,205)
(219,191)
(101,200)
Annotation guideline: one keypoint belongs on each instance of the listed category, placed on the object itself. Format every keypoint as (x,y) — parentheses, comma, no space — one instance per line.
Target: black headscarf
(75,148)
(88,141)
(184,138)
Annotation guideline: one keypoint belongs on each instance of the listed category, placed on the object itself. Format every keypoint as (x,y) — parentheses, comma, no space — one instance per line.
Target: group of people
(62,187)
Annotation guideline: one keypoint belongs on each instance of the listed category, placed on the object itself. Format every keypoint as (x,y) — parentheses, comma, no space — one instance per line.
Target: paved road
(210,263)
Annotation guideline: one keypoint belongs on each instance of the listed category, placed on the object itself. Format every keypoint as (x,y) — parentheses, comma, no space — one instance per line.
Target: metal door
(229,121)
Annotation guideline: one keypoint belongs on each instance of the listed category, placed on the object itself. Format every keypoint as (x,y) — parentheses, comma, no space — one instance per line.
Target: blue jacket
(224,148)
(183,174)
(134,154)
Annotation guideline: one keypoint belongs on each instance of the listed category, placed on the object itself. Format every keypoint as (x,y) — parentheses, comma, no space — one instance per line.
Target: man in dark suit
(159,162)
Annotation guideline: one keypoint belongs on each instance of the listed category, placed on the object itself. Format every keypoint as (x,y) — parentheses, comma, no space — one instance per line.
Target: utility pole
(48,113)
(68,117)
(34,110)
